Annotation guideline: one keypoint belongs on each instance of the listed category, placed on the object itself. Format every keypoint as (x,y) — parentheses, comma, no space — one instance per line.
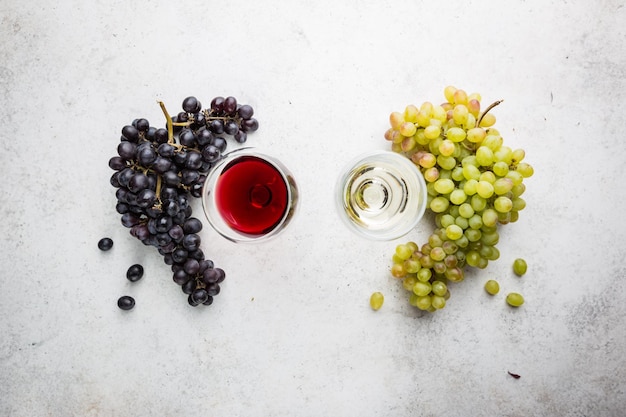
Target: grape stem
(491,106)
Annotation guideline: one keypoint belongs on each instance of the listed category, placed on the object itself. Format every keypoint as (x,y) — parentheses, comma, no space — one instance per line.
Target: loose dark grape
(105,244)
(191,105)
(126,302)
(245,112)
(134,273)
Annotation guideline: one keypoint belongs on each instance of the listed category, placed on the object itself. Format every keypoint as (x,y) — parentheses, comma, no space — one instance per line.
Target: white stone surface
(292,334)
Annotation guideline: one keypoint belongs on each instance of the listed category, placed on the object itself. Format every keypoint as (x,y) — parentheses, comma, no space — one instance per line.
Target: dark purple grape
(217,104)
(187,138)
(127,150)
(129,220)
(189,286)
(180,277)
(191,242)
(211,153)
(161,165)
(126,302)
(121,208)
(161,135)
(130,133)
(177,233)
(222,275)
(216,126)
(146,156)
(199,296)
(241,136)
(142,125)
(213,289)
(245,112)
(208,301)
(210,276)
(230,127)
(166,150)
(117,163)
(134,273)
(138,182)
(146,198)
(194,160)
(105,244)
(180,255)
(220,143)
(140,231)
(191,266)
(204,137)
(230,106)
(192,225)
(189,176)
(249,125)
(192,105)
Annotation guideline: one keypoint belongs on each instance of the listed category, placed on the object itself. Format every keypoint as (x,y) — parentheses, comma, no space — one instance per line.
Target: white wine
(381,195)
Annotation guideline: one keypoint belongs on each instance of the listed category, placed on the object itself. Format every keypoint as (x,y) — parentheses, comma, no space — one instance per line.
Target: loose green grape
(520,267)
(376,300)
(492,287)
(514,299)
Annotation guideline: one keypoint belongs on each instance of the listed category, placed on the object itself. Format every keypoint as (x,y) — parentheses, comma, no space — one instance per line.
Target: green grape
(408,282)
(439,267)
(518,204)
(462,222)
(439,288)
(413,246)
(447,220)
(484,156)
(412,265)
(469,160)
(466,210)
(456,134)
(490,217)
(403,252)
(439,204)
(503,204)
(422,288)
(504,154)
(518,190)
(518,155)
(434,240)
(438,302)
(376,300)
(413,300)
(470,186)
(525,169)
(519,267)
(454,232)
(457,174)
(492,141)
(423,302)
(476,134)
(488,176)
(453,211)
(444,186)
(449,247)
(437,253)
(473,235)
(472,258)
(490,239)
(471,172)
(484,189)
(431,174)
(514,299)
(478,203)
(432,131)
(447,147)
(502,186)
(454,274)
(500,168)
(398,270)
(445,174)
(457,196)
(446,162)
(475,221)
(492,287)
(450,261)
(514,216)
(515,176)
(424,274)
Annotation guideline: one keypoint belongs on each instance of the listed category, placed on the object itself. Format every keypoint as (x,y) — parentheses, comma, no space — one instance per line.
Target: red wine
(251,195)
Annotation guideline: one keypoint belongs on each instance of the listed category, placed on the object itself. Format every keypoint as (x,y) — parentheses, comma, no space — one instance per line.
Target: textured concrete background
(292,334)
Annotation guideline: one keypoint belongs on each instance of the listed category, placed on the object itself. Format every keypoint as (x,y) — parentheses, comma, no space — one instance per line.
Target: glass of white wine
(381,195)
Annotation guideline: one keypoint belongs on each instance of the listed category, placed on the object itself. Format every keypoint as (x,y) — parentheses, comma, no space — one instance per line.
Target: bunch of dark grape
(158,170)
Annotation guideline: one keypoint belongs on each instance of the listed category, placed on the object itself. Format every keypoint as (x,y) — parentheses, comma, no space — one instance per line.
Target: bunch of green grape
(474,184)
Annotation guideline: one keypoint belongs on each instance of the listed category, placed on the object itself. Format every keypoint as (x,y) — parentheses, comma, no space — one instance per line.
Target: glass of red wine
(249,196)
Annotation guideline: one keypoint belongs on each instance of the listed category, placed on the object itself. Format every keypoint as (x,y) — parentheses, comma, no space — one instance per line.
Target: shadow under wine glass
(381,195)
(249,196)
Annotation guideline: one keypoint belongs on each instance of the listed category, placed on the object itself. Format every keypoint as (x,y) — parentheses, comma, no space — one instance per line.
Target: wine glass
(249,196)
(381,195)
